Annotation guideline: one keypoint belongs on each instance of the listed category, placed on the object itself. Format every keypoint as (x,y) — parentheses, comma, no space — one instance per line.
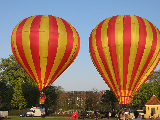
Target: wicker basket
(41,101)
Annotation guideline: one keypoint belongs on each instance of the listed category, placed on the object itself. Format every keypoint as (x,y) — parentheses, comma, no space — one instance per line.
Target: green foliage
(110,101)
(64,118)
(5,95)
(13,92)
(18,99)
(93,100)
(150,88)
(61,101)
(10,70)
(51,96)
(11,77)
(155,77)
(31,94)
(16,112)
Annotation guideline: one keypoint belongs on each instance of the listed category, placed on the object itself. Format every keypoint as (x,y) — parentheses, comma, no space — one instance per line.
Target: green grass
(29,118)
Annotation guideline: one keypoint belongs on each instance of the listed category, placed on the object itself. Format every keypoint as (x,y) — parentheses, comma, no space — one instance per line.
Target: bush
(16,112)
(61,115)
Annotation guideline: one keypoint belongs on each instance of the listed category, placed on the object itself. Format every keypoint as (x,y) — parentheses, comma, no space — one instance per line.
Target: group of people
(75,115)
(152,116)
(124,115)
(136,114)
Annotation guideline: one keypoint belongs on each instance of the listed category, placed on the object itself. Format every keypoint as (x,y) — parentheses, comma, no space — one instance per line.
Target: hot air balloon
(125,50)
(44,46)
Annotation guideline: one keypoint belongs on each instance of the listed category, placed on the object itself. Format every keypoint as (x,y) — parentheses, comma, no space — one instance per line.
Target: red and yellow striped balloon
(45,46)
(125,50)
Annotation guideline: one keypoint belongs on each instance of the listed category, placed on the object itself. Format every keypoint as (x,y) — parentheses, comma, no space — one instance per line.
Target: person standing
(120,115)
(76,114)
(96,114)
(152,116)
(136,114)
(84,113)
(72,115)
(109,115)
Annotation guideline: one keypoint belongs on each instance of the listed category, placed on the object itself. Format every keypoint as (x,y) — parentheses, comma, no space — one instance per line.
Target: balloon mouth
(124,100)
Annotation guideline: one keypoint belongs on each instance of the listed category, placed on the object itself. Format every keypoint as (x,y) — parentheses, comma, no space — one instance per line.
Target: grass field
(29,118)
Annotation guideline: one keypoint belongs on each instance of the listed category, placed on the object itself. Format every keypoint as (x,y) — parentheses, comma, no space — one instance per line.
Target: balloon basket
(41,101)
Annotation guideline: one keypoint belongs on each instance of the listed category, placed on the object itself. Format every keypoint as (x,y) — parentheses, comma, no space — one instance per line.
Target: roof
(153,101)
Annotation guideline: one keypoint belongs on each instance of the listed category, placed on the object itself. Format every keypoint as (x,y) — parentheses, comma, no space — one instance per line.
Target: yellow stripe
(26,45)
(133,48)
(151,64)
(16,50)
(146,75)
(74,49)
(99,58)
(148,45)
(43,45)
(62,43)
(104,39)
(96,65)
(119,47)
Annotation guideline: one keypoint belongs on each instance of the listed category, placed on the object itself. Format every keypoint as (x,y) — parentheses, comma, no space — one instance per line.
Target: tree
(5,95)
(51,97)
(110,101)
(61,102)
(93,100)
(149,89)
(31,94)
(155,77)
(12,75)
(18,99)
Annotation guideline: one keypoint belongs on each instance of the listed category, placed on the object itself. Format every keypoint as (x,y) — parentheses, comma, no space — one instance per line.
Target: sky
(84,15)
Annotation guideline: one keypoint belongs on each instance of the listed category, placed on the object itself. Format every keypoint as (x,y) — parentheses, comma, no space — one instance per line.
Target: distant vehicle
(100,114)
(82,114)
(23,114)
(3,114)
(89,114)
(36,111)
(141,113)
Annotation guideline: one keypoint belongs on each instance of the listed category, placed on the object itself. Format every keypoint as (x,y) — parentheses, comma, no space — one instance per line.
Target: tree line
(15,95)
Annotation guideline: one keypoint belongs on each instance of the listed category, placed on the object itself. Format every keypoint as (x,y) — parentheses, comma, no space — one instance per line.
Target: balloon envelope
(125,50)
(44,46)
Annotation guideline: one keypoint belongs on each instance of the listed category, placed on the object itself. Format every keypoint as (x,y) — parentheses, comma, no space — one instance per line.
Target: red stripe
(96,61)
(15,55)
(126,48)
(152,51)
(74,55)
(153,48)
(101,53)
(112,49)
(52,46)
(149,74)
(20,47)
(34,45)
(68,48)
(140,50)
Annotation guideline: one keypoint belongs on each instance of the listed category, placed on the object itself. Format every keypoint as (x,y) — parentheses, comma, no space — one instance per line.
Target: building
(153,105)
(76,100)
